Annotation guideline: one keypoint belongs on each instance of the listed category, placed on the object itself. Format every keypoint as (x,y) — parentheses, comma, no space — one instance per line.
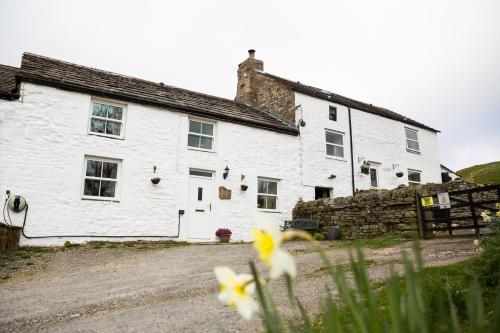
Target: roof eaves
(28,77)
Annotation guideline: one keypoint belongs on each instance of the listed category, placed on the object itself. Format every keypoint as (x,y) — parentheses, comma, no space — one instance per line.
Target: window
(414,177)
(334,144)
(333,113)
(201,135)
(374,177)
(267,194)
(412,140)
(322,192)
(101,178)
(106,119)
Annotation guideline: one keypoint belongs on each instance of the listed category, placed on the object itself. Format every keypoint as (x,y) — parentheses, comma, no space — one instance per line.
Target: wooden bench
(301,224)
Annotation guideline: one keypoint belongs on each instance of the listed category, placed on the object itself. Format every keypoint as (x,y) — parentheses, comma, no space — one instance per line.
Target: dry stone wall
(374,212)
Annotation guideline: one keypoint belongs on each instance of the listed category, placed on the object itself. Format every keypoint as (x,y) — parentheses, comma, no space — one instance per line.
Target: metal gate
(456,210)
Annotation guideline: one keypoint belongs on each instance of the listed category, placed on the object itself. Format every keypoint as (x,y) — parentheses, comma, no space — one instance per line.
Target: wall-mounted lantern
(226,172)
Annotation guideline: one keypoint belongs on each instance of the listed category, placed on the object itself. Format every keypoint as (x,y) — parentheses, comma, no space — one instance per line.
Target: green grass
(482,173)
(371,243)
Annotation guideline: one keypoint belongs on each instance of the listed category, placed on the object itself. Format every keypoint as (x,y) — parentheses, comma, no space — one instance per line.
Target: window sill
(336,158)
(107,136)
(101,199)
(268,211)
(413,151)
(201,149)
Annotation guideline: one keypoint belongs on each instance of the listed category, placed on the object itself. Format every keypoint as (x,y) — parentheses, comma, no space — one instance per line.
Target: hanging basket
(399,174)
(155,180)
(244,187)
(365,169)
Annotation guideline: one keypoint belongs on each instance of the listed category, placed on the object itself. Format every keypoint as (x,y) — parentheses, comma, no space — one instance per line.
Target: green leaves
(401,306)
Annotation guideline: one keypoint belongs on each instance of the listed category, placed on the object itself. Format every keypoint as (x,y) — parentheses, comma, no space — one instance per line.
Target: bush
(319,236)
(69,245)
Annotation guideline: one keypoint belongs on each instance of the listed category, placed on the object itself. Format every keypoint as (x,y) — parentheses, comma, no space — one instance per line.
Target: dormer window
(333,113)
(106,119)
(412,144)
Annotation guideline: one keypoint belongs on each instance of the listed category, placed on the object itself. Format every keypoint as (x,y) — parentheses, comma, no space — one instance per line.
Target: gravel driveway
(169,290)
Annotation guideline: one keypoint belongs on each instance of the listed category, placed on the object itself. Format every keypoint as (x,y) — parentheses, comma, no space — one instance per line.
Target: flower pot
(224,238)
(155,180)
(244,187)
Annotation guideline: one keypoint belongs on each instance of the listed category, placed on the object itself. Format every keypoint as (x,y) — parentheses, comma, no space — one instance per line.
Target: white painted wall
(43,140)
(375,139)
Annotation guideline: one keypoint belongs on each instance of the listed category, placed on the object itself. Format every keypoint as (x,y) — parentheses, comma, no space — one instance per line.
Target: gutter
(352,152)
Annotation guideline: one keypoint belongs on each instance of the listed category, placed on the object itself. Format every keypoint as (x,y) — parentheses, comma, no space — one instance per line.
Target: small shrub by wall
(374,212)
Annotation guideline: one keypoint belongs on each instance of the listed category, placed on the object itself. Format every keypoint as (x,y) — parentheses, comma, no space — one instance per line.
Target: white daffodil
(236,290)
(267,242)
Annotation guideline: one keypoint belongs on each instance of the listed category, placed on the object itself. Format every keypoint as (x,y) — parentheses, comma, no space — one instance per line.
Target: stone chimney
(246,91)
(264,92)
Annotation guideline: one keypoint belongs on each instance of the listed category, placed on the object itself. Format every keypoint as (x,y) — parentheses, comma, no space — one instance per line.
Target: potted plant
(365,169)
(244,185)
(399,174)
(224,234)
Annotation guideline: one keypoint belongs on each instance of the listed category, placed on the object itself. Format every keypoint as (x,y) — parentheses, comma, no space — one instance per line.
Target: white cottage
(102,156)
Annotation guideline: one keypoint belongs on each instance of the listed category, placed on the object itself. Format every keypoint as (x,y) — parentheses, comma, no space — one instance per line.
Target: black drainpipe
(352,153)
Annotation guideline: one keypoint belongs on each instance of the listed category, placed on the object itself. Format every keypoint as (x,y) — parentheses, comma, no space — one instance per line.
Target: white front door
(200,204)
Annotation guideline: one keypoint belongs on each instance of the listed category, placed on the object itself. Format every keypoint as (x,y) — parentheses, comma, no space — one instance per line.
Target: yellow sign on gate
(427,201)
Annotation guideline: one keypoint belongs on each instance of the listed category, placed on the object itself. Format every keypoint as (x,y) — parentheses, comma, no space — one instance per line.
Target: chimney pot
(251,54)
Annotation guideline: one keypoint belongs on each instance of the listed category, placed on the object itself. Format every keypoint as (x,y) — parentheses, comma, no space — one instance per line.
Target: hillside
(482,173)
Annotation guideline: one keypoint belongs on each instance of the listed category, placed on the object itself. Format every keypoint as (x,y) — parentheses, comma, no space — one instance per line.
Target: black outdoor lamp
(226,172)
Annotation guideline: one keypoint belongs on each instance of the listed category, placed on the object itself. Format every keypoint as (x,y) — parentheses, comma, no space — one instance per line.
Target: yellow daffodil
(236,290)
(267,242)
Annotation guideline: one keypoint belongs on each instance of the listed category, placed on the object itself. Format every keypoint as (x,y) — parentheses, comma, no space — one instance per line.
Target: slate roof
(351,103)
(8,81)
(68,76)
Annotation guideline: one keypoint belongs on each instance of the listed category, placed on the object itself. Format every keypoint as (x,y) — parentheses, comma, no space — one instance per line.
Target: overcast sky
(437,62)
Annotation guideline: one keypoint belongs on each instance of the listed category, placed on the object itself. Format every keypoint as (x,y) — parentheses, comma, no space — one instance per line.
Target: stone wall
(374,212)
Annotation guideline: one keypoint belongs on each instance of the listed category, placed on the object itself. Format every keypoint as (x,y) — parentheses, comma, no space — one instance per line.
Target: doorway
(200,204)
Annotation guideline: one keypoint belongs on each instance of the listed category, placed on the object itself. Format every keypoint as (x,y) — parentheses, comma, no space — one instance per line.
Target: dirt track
(169,290)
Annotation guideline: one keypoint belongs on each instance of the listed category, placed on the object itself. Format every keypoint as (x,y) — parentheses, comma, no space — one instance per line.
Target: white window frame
(122,121)
(412,182)
(334,144)
(117,181)
(274,180)
(408,139)
(203,121)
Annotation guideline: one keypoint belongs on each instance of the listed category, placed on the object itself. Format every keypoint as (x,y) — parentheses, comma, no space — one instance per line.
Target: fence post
(473,211)
(421,222)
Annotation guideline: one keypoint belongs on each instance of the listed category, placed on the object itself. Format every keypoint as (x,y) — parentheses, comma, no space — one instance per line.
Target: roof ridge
(322,90)
(349,102)
(13,67)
